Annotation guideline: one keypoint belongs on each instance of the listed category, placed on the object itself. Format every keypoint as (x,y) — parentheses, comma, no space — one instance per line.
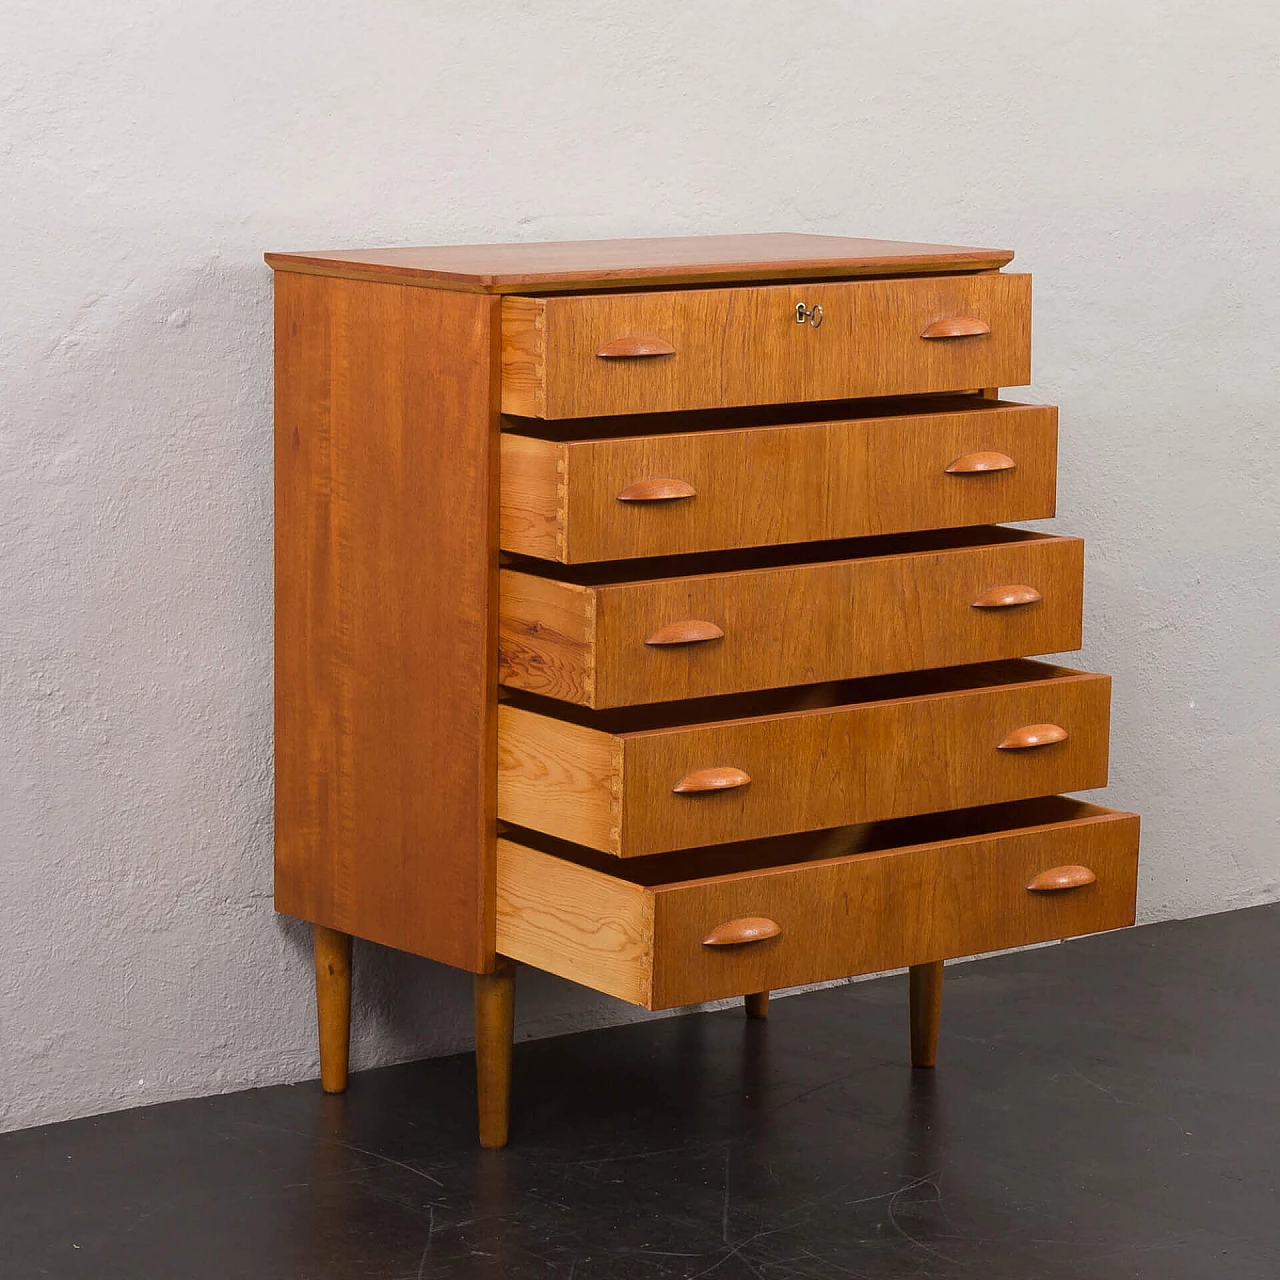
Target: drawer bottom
(705,924)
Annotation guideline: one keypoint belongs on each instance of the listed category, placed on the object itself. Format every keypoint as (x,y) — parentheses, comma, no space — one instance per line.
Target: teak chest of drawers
(643,614)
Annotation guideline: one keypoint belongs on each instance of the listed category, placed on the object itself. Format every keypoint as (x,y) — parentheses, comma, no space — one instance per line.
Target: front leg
(926,1011)
(333,1005)
(495,1025)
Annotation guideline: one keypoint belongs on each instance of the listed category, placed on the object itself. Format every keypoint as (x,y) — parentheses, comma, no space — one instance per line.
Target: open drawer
(656,485)
(583,355)
(717,922)
(624,633)
(645,780)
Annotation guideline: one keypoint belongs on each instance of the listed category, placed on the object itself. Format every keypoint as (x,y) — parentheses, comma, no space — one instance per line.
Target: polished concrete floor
(1108,1108)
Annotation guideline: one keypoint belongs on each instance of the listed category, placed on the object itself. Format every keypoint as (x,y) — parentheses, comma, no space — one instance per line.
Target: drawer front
(881,911)
(567,357)
(640,496)
(602,646)
(835,918)
(648,792)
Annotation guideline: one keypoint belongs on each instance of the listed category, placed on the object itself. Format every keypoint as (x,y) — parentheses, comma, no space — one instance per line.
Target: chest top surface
(636,264)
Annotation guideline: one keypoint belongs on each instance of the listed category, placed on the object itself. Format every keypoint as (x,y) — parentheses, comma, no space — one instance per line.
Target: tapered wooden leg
(333,1005)
(757,1004)
(495,1025)
(926,1009)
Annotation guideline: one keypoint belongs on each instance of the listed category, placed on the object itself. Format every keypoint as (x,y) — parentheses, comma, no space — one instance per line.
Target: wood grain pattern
(534,517)
(794,624)
(760,486)
(575,922)
(821,767)
(495,1006)
(333,1005)
(925,984)
(839,916)
(386,743)
(671,260)
(743,347)
(547,636)
(559,777)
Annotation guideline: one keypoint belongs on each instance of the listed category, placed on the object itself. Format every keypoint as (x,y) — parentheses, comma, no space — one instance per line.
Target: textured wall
(151,152)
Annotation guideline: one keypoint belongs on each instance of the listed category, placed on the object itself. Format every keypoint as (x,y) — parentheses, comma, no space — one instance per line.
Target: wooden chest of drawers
(643,613)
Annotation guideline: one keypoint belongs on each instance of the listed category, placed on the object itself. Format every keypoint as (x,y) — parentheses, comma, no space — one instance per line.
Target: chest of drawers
(644,612)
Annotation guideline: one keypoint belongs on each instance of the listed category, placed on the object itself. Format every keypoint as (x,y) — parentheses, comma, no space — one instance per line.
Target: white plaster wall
(152,151)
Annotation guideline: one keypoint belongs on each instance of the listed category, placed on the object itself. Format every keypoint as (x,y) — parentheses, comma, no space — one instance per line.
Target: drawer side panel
(578,923)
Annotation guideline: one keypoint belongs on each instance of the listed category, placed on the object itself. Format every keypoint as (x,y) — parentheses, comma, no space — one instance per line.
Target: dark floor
(1109,1108)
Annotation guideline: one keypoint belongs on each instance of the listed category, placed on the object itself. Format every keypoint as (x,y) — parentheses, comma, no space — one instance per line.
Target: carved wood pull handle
(1006,597)
(957,327)
(690,631)
(1033,735)
(733,933)
(632,347)
(722,778)
(657,491)
(1061,878)
(974,463)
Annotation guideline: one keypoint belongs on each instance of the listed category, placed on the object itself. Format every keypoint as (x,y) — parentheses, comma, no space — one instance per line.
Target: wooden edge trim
(514,284)
(489,871)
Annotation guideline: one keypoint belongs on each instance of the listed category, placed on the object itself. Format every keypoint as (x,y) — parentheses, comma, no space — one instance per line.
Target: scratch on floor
(431,1231)
(926,1181)
(1126,1102)
(724,1212)
(399,1164)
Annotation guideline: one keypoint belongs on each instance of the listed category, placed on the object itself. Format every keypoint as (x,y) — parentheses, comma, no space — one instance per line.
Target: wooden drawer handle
(718,779)
(974,463)
(657,491)
(1033,735)
(1006,597)
(631,348)
(690,631)
(733,933)
(957,327)
(1061,878)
